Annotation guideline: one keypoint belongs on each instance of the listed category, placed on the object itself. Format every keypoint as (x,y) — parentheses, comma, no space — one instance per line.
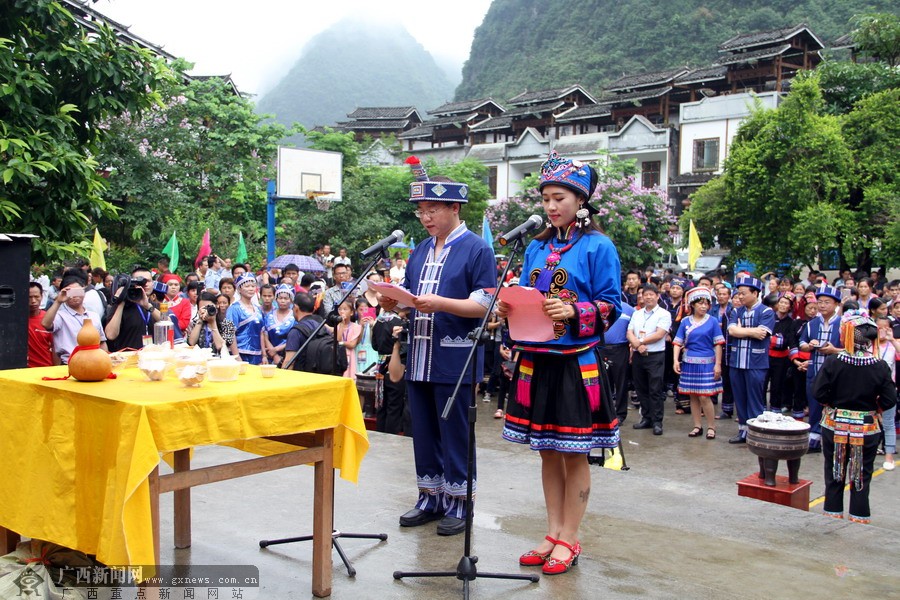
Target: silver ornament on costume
(582,216)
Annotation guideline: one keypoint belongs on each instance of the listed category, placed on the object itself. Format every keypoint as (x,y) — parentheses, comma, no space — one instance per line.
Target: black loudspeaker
(15,256)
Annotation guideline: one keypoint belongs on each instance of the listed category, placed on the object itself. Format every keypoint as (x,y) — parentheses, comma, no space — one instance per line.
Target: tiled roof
(743,57)
(493,124)
(635,96)
(763,38)
(462,106)
(588,143)
(588,111)
(657,78)
(382,112)
(533,108)
(845,41)
(488,152)
(546,95)
(701,75)
(417,132)
(375,124)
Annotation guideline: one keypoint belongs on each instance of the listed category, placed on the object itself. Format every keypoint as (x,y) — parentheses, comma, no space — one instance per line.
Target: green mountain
(355,64)
(535,44)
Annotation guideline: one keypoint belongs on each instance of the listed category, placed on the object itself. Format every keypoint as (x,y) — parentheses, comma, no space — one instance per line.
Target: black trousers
(393,414)
(648,373)
(617,357)
(778,384)
(834,488)
(798,391)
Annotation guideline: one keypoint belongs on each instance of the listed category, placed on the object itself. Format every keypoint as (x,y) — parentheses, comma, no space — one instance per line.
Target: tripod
(335,534)
(465,568)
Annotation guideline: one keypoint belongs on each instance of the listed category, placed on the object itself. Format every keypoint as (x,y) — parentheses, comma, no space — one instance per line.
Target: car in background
(677,261)
(710,264)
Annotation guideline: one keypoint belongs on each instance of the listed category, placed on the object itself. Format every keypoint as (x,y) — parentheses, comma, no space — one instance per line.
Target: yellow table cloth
(75,456)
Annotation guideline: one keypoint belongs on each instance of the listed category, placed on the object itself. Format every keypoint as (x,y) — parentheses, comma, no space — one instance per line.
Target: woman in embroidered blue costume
(558,408)
(700,369)
(852,386)
(248,319)
(276,325)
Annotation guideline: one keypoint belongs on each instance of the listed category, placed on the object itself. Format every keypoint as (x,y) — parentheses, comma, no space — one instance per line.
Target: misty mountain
(534,44)
(355,64)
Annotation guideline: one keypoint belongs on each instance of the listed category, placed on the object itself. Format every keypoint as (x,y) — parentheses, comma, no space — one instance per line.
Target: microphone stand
(466,569)
(332,317)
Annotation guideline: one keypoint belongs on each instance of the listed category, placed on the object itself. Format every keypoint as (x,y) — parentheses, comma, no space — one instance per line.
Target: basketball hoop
(323,203)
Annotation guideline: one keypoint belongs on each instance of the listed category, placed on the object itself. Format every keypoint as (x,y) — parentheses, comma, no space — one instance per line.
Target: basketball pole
(270,221)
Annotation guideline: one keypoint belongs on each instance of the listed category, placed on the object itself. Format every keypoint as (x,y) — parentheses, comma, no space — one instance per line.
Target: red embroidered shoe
(533,558)
(554,566)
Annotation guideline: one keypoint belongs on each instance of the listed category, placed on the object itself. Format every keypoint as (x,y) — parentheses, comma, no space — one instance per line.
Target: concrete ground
(672,526)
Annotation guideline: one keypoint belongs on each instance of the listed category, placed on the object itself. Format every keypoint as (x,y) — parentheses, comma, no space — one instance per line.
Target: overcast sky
(257,40)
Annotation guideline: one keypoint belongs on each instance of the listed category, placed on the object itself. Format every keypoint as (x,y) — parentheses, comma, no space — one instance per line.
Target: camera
(210,310)
(135,292)
(403,336)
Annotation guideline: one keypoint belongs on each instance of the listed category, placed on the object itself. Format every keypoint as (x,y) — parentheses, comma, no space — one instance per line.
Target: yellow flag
(97,249)
(694,247)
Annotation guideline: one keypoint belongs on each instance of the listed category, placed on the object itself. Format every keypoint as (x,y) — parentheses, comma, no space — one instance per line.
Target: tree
(58,83)
(200,160)
(878,35)
(799,181)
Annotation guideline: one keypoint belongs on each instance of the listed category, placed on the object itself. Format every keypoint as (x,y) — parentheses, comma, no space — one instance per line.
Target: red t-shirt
(40,343)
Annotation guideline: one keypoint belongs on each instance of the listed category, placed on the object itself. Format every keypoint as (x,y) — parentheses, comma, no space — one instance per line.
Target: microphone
(533,222)
(376,248)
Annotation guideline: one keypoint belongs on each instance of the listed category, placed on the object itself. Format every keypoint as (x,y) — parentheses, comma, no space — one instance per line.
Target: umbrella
(304,263)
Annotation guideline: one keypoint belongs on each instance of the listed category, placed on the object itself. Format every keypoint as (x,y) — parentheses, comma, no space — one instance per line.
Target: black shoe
(451,526)
(643,424)
(417,516)
(738,439)
(814,450)
(657,429)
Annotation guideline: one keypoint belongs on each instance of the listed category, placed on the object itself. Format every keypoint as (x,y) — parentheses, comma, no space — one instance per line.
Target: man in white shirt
(647,336)
(66,316)
(342,258)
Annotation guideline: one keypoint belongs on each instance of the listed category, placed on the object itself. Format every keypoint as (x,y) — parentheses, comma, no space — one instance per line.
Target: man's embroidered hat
(750,282)
(829,292)
(434,191)
(572,174)
(682,283)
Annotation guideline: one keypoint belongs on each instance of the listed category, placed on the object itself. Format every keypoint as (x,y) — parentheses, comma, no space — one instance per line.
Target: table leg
(154,510)
(182,502)
(8,540)
(323,515)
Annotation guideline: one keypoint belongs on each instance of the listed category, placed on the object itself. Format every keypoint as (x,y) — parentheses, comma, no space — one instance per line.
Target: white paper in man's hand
(394,292)
(526,318)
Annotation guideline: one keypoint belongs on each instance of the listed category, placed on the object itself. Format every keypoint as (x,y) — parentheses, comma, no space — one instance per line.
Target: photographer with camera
(391,405)
(131,315)
(210,329)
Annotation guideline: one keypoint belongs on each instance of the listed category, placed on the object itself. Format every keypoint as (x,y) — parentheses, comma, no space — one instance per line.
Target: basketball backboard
(309,174)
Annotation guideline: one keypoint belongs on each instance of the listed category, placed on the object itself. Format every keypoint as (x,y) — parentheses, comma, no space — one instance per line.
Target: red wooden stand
(795,495)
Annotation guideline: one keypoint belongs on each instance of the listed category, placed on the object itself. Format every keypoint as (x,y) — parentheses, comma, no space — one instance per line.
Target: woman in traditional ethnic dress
(700,370)
(852,386)
(277,324)
(558,407)
(248,319)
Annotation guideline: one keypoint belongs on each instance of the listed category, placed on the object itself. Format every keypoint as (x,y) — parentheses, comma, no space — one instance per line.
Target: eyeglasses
(427,213)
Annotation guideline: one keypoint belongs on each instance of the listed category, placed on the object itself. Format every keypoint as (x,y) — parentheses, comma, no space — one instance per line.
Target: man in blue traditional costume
(448,273)
(820,337)
(749,328)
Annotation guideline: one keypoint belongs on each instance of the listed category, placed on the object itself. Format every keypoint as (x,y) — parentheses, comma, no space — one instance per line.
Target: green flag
(241,256)
(171,250)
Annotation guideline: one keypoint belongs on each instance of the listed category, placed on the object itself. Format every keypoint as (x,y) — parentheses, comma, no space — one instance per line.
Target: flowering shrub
(638,220)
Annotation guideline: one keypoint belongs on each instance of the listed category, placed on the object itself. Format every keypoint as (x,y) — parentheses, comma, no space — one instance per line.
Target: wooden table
(91,452)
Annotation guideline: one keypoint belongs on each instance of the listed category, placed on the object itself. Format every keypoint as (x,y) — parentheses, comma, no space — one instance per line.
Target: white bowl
(222,369)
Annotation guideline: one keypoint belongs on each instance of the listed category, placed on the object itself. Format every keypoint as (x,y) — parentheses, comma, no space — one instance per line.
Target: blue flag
(486,232)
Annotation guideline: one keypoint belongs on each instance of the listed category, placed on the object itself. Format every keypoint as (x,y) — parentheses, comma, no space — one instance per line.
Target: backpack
(318,357)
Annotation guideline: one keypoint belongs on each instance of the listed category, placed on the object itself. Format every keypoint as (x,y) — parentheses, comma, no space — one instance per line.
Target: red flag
(204,251)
